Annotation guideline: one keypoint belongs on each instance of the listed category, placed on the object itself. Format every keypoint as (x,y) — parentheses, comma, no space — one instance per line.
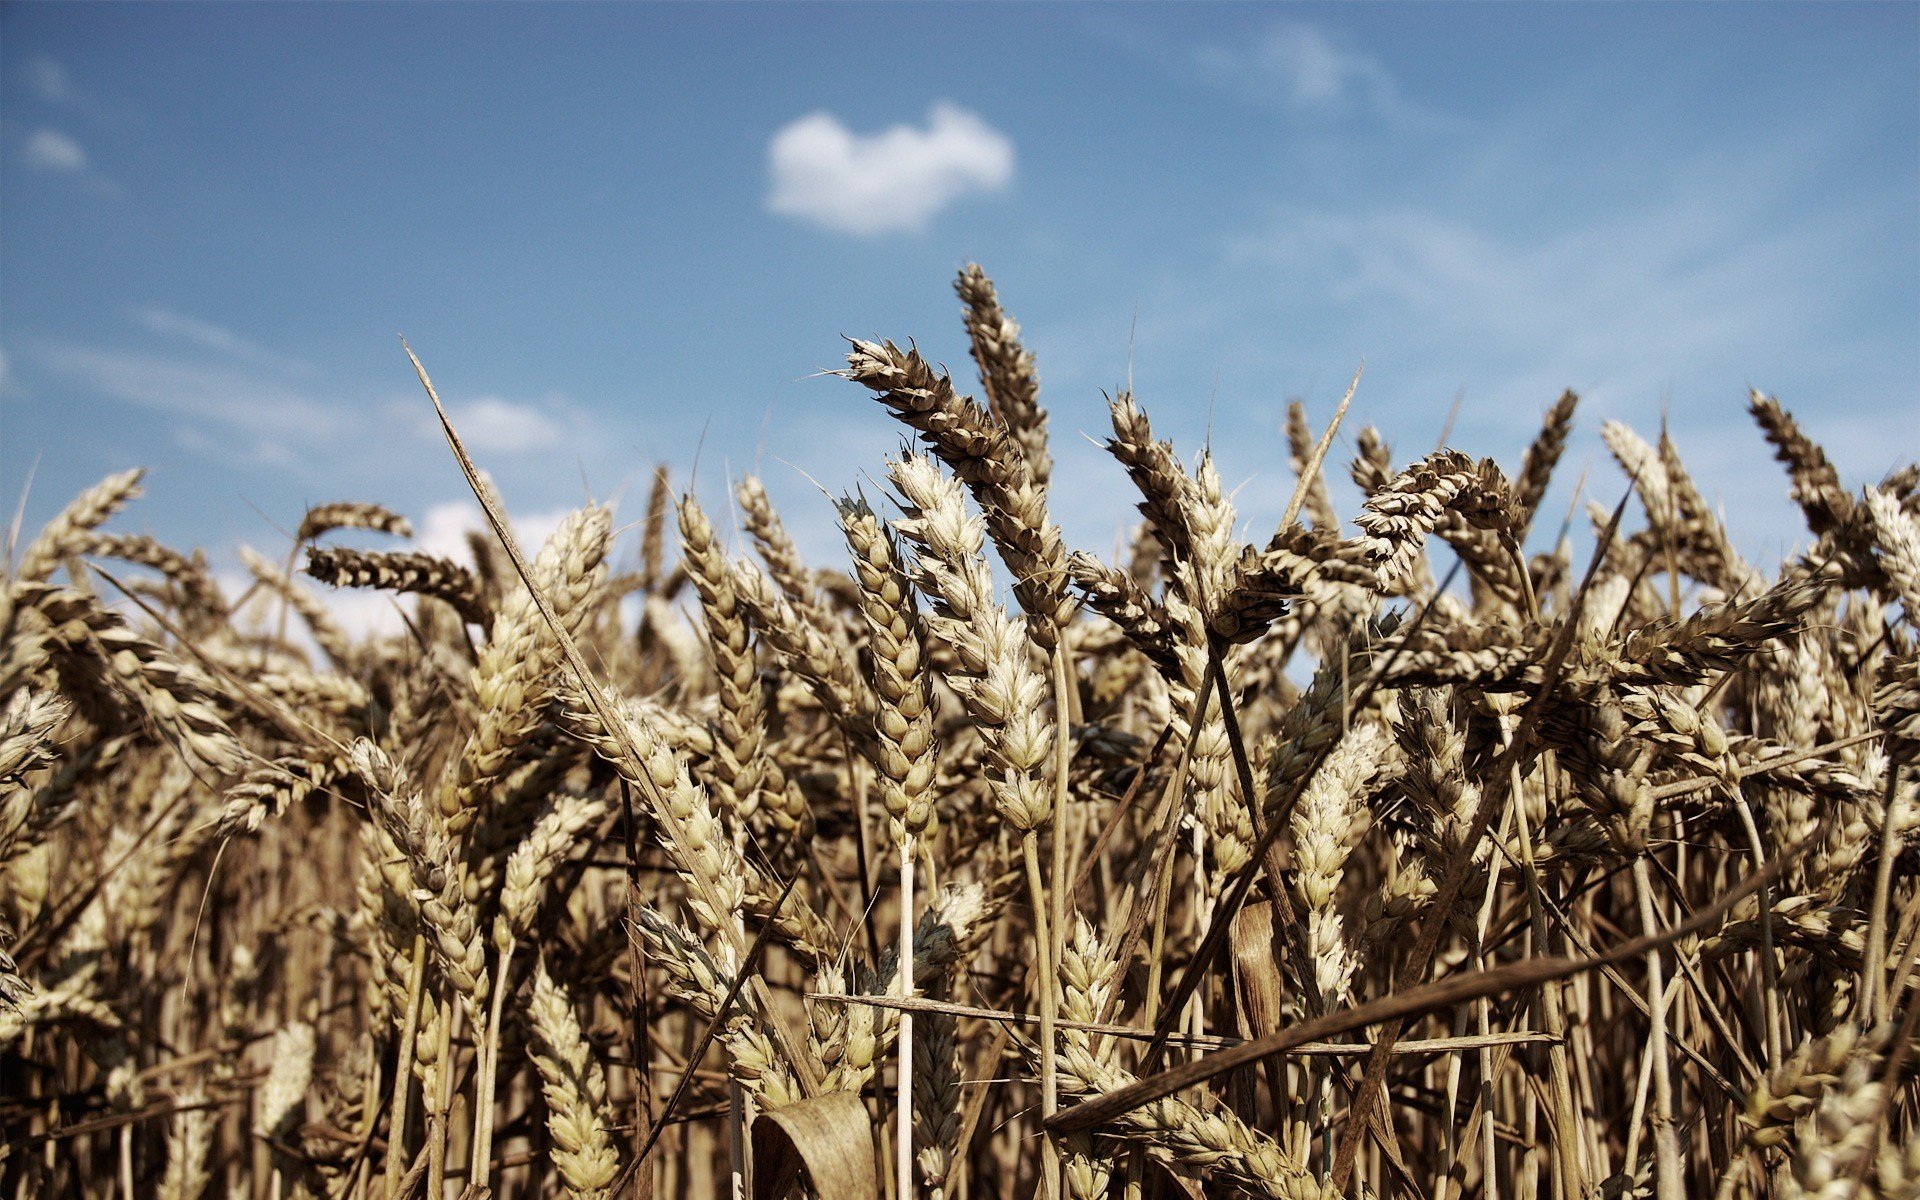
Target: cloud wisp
(207,335)
(1313,74)
(51,150)
(48,81)
(894,181)
(229,399)
(497,426)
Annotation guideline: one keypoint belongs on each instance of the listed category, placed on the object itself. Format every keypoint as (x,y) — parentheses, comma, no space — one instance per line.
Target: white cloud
(1300,65)
(888,182)
(224,411)
(51,150)
(494,425)
(48,81)
(491,424)
(209,336)
(443,531)
(1625,299)
(1312,73)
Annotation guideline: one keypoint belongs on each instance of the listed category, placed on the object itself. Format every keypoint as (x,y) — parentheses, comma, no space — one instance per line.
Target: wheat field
(1373,856)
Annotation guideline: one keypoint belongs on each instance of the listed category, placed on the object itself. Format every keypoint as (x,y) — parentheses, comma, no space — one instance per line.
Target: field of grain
(1377,855)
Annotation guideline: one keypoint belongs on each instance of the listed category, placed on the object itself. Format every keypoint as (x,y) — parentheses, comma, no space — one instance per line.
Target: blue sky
(618,235)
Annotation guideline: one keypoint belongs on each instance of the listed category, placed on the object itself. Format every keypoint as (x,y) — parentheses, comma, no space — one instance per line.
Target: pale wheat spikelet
(1790,1091)
(1089,988)
(1215,563)
(190,1133)
(1832,1140)
(1397,518)
(575,1091)
(73,1001)
(854,1042)
(449,916)
(270,788)
(720,880)
(1716,638)
(1896,704)
(67,534)
(1646,468)
(1896,539)
(1197,584)
(1004,693)
(1897,1168)
(515,673)
(320,694)
(1118,596)
(174,694)
(327,634)
(240,981)
(28,726)
(380,921)
(1316,568)
(683,650)
(199,600)
(951,569)
(1605,607)
(701,982)
(1701,534)
(553,836)
(1609,771)
(401,571)
(739,723)
(1327,821)
(1443,796)
(1372,464)
(693,837)
(1218,1144)
(1155,472)
(653,530)
(905,749)
(1300,442)
(1007,373)
(279,1101)
(776,546)
(977,448)
(1541,457)
(322,519)
(808,651)
(1318,718)
(1816,484)
(1216,799)
(954,925)
(28,723)
(1406,890)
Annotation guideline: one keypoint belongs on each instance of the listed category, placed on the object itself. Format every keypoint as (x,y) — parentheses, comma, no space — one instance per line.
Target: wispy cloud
(213,403)
(48,81)
(51,150)
(1311,72)
(497,426)
(209,336)
(1624,300)
(230,400)
(894,181)
(444,528)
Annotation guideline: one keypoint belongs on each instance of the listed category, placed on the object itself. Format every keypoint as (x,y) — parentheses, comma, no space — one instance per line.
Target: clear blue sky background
(215,219)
